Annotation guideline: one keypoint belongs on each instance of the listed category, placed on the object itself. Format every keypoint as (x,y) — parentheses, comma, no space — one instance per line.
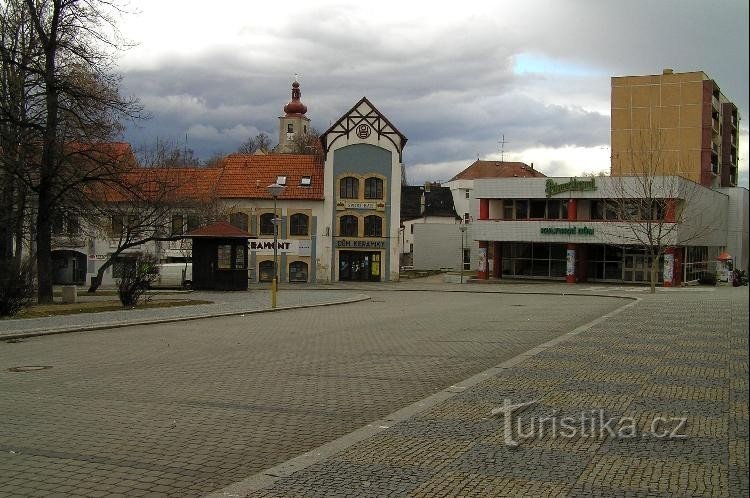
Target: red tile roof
(220,229)
(247,176)
(498,169)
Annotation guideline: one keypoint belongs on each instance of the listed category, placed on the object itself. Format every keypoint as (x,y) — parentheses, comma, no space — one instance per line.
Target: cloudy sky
(454,77)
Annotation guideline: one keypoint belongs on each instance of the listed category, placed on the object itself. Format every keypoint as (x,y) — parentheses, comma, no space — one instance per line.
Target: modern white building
(585,229)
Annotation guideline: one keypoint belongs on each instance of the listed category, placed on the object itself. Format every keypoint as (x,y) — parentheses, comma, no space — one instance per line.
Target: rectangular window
(281,180)
(177,224)
(537,209)
(522,210)
(467,218)
(507,209)
(305,181)
(553,209)
(467,194)
(239,257)
(117,224)
(467,259)
(224,257)
(193,222)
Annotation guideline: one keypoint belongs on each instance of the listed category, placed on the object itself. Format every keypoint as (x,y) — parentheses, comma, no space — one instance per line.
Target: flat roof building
(675,124)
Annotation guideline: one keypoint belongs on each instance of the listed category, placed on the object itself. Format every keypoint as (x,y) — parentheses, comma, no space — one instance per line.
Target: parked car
(174,275)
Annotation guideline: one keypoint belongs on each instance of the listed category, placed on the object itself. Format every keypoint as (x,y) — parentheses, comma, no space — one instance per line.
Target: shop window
(298,224)
(348,226)
(224,257)
(373,226)
(266,224)
(298,271)
(238,220)
(349,188)
(265,271)
(373,188)
(177,225)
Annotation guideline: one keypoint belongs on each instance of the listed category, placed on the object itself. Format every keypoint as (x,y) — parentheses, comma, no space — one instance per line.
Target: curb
(268,477)
(117,325)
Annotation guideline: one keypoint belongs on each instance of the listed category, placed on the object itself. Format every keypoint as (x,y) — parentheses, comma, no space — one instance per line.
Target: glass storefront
(533,259)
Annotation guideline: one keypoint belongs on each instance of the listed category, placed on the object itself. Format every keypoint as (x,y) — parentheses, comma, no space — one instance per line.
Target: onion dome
(295,107)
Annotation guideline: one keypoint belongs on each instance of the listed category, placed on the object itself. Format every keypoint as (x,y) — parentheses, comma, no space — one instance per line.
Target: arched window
(349,188)
(238,220)
(373,226)
(298,271)
(348,226)
(265,271)
(373,188)
(266,224)
(299,224)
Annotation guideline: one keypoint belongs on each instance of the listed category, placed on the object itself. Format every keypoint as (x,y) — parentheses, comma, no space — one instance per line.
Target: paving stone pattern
(673,355)
(183,409)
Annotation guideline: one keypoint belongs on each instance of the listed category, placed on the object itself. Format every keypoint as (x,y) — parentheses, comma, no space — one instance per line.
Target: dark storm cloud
(452,90)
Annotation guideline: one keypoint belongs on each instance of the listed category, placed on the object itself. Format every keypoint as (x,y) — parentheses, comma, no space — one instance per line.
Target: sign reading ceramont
(266,246)
(551,188)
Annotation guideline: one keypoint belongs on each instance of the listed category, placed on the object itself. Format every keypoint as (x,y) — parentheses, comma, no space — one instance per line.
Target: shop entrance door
(637,268)
(359,266)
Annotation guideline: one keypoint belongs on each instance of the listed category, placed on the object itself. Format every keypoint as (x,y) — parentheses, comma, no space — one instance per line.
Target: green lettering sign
(551,188)
(584,230)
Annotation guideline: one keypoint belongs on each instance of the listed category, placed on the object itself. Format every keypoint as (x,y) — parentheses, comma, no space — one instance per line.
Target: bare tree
(166,154)
(71,106)
(654,208)
(260,142)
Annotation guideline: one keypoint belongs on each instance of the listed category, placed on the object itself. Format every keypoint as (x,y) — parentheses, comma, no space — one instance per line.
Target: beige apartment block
(674,123)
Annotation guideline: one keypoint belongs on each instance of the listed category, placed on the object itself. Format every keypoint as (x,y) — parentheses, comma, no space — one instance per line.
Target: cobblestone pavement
(222,303)
(187,408)
(677,355)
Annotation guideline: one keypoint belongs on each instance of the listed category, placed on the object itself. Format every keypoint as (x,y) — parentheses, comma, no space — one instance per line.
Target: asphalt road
(188,408)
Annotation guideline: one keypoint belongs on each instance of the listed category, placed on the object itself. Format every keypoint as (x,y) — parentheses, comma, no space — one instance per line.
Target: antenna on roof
(501,145)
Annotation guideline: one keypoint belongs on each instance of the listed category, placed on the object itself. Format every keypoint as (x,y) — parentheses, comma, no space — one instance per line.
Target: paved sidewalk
(224,304)
(669,358)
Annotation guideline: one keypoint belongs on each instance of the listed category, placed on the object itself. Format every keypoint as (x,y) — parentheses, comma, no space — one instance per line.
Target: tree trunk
(96,281)
(654,268)
(44,249)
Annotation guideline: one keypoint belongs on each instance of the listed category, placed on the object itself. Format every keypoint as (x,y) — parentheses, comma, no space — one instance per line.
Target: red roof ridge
(219,229)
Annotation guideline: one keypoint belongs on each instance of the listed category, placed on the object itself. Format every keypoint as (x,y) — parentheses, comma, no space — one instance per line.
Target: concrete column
(572,209)
(482,266)
(570,272)
(484,209)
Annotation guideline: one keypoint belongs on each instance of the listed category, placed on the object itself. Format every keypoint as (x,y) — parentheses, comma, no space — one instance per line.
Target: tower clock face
(363,131)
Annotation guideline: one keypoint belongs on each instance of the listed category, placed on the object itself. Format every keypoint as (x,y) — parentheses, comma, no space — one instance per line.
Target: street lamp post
(275,190)
(463,231)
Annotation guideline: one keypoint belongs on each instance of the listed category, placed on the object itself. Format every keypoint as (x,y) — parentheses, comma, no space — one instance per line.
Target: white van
(174,275)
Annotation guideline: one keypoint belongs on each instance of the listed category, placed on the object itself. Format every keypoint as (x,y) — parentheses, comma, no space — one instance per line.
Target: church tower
(293,124)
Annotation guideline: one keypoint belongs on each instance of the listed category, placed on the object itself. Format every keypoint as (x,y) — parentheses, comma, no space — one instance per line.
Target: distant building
(425,205)
(683,119)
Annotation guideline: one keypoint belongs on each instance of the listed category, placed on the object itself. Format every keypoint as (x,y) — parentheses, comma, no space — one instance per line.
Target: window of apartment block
(299,224)
(349,188)
(373,188)
(266,224)
(373,226)
(348,226)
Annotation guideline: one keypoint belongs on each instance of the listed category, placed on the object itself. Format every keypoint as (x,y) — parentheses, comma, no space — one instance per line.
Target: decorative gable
(362,121)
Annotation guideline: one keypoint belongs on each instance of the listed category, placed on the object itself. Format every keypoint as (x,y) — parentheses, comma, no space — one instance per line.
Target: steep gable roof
(498,169)
(363,113)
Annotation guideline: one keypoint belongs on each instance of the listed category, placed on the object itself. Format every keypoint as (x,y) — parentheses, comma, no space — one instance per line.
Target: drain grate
(29,368)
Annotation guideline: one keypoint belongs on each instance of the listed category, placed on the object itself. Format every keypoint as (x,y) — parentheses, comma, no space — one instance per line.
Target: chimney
(532,165)
(668,71)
